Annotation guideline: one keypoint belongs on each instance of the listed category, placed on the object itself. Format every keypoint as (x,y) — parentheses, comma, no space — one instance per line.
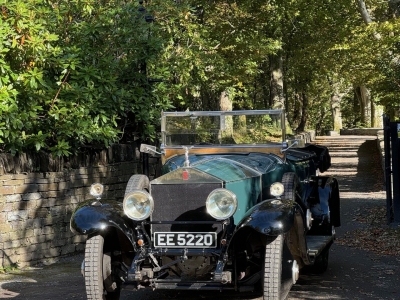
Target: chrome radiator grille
(182,202)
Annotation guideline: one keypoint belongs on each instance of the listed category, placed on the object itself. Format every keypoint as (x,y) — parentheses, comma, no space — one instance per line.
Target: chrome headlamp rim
(277,189)
(212,205)
(138,212)
(96,190)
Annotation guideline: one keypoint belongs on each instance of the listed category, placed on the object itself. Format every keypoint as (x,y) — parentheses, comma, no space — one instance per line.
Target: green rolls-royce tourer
(237,207)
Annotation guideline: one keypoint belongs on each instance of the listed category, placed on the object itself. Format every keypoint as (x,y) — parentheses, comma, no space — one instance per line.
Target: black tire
(273,268)
(98,272)
(321,262)
(290,183)
(137,182)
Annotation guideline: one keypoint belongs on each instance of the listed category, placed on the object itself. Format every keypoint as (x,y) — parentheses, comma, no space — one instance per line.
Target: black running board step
(194,286)
(317,243)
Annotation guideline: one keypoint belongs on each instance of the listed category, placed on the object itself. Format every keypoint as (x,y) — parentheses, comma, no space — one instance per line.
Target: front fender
(95,216)
(271,217)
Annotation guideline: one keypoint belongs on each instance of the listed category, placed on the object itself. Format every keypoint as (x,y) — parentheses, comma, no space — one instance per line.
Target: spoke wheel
(98,272)
(273,268)
(290,183)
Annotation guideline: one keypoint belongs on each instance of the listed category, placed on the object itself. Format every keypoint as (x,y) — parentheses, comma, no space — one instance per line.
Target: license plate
(185,239)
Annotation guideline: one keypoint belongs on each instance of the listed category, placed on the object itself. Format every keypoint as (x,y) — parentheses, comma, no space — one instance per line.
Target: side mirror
(149,149)
(296,143)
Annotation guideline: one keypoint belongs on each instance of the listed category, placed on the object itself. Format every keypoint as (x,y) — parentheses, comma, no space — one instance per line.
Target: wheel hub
(309,219)
(295,271)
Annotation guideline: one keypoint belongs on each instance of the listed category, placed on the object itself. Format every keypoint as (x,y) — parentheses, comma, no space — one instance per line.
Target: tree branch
(59,90)
(364,12)
(366,16)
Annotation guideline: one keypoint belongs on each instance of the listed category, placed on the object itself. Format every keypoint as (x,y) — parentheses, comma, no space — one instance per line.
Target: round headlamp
(221,204)
(277,189)
(138,205)
(96,190)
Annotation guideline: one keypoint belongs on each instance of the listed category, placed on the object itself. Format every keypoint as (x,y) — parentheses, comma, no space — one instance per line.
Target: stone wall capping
(360,131)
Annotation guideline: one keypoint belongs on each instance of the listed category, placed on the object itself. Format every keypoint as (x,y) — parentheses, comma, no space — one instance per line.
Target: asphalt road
(352,273)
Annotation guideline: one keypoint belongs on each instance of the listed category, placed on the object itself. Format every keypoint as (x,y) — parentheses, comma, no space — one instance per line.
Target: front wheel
(321,262)
(272,282)
(137,182)
(291,185)
(99,281)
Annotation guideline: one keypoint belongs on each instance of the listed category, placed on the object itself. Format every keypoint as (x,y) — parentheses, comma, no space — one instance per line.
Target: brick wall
(35,208)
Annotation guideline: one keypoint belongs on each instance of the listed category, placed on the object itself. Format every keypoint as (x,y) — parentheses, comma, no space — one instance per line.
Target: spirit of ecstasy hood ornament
(187,162)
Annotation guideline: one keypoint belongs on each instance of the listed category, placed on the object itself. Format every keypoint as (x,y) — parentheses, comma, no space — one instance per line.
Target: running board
(317,243)
(201,285)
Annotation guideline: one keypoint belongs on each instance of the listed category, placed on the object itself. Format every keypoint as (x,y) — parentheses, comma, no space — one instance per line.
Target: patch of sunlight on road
(12,279)
(4,294)
(369,195)
(306,295)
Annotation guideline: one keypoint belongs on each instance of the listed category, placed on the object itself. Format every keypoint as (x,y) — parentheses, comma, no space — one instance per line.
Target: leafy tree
(74,73)
(78,73)
(214,46)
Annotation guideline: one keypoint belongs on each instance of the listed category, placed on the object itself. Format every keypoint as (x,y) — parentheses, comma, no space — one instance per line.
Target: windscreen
(222,129)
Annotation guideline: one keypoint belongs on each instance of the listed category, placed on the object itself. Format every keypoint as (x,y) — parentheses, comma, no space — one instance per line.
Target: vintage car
(236,207)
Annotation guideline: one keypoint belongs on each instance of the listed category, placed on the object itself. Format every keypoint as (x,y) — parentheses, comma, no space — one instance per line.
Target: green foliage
(330,50)
(213,46)
(75,73)
(10,268)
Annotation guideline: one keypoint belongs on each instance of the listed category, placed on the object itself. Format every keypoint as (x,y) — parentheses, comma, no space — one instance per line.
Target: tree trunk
(296,109)
(364,98)
(366,16)
(373,115)
(264,86)
(364,12)
(356,108)
(336,99)
(277,87)
(277,99)
(286,97)
(362,92)
(304,113)
(224,102)
(336,111)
